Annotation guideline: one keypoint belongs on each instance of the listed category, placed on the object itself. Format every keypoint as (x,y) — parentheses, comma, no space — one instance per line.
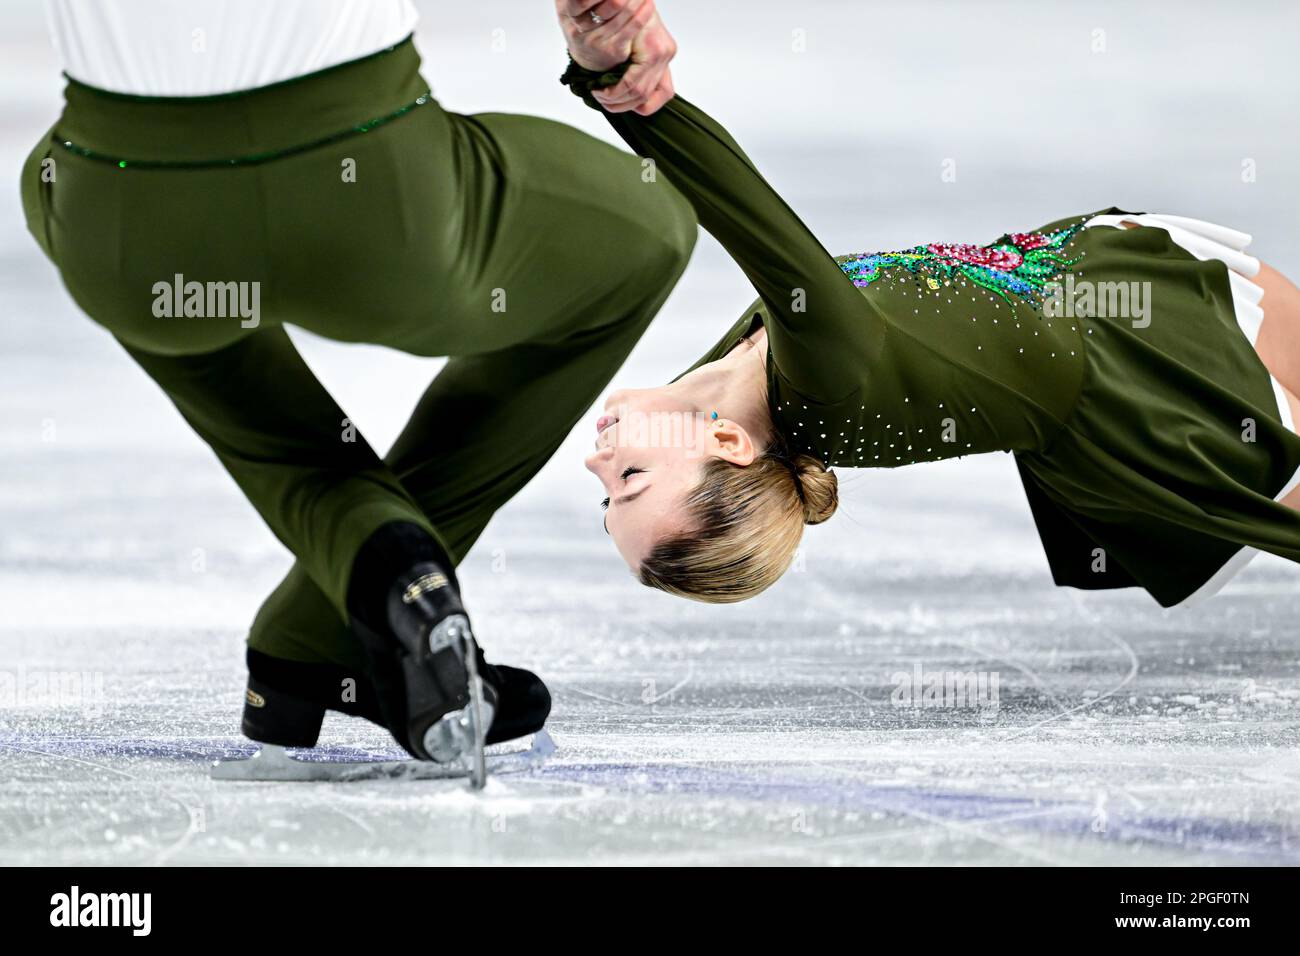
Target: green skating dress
(1116,364)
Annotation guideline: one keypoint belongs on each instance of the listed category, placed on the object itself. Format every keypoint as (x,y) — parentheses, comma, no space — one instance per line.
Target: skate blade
(457,737)
(276,764)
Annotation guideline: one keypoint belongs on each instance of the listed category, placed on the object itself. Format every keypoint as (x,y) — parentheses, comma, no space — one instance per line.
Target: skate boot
(420,651)
(523,701)
(420,656)
(425,668)
(286,701)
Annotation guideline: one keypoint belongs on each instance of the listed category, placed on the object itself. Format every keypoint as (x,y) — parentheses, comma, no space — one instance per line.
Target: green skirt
(1168,470)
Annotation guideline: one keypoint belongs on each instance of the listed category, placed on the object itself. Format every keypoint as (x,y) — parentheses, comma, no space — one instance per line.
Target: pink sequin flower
(954,253)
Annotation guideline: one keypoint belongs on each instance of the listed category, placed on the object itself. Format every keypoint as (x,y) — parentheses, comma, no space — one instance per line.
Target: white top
(200,47)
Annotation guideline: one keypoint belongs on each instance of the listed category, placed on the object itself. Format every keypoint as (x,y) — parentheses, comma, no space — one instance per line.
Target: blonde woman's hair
(745,523)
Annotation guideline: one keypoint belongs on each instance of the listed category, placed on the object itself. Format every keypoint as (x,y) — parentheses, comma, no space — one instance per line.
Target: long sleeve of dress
(815,310)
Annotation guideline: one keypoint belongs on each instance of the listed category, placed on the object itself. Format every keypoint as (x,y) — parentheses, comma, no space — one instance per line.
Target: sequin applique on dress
(1020,265)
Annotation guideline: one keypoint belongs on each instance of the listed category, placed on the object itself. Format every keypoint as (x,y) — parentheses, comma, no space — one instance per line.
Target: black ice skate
(437,705)
(431,687)
(286,701)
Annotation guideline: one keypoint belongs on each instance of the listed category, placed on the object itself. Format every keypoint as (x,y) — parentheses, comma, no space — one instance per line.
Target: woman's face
(649,450)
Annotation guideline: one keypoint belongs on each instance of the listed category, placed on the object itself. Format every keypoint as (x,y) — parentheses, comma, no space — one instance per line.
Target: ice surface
(689,735)
(764,733)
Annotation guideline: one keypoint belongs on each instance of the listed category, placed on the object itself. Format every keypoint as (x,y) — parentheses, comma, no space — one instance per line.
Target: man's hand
(604,33)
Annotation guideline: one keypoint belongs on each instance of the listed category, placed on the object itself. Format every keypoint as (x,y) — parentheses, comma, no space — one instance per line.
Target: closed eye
(627,473)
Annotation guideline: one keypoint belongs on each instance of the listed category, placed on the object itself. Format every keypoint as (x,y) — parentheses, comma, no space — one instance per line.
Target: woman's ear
(730,441)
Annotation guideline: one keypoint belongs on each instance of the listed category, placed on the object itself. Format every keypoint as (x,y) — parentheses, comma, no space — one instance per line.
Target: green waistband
(245,127)
(250,160)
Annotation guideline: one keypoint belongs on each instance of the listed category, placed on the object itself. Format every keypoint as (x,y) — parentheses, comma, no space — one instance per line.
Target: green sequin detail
(1018,267)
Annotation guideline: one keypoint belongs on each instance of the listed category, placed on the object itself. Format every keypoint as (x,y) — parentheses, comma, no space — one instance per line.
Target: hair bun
(821,489)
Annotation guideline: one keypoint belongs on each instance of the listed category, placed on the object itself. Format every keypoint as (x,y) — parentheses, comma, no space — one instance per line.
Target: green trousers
(350,204)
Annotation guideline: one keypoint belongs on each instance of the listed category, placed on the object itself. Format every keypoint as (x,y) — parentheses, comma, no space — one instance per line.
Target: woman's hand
(604,33)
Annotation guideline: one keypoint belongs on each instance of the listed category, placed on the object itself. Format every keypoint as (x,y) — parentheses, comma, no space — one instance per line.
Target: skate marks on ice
(851,815)
(41,748)
(278,764)
(689,736)
(732,800)
(241,760)
(1122,736)
(153,801)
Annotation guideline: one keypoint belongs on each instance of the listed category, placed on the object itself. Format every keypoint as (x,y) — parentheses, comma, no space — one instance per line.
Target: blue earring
(713,417)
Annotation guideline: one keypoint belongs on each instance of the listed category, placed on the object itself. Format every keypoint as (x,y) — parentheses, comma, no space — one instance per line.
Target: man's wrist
(583,80)
(598,65)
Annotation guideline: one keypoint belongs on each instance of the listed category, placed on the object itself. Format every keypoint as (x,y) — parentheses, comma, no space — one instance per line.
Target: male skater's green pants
(194,229)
